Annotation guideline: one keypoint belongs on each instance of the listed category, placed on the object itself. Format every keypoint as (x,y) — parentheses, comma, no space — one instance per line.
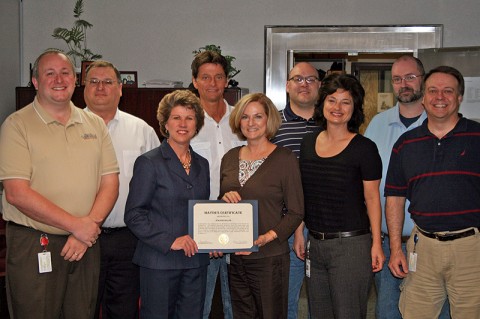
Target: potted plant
(231,71)
(76,37)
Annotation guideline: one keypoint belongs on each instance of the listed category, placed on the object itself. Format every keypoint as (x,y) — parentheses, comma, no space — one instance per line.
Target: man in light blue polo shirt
(384,129)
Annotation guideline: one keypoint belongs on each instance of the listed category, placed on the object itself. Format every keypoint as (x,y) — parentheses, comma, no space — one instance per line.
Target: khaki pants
(443,268)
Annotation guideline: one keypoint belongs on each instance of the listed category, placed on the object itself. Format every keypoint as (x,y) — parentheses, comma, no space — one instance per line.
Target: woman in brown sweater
(270,174)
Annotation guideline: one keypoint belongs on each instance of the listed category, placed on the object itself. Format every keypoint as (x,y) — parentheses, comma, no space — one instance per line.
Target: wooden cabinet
(141,102)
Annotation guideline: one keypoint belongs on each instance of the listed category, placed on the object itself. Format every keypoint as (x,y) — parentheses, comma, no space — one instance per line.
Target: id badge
(412,262)
(307,261)
(44,258)
(44,262)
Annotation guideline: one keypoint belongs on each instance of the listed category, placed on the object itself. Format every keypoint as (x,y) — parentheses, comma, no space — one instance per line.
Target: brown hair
(179,97)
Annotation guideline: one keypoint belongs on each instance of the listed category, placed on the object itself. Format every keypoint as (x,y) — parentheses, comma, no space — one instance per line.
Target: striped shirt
(440,177)
(293,129)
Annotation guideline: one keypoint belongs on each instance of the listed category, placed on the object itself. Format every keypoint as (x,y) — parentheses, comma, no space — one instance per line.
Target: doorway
(352,44)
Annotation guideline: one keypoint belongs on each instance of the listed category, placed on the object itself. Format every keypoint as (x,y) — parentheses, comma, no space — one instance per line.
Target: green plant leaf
(231,71)
(83,24)
(76,37)
(78,9)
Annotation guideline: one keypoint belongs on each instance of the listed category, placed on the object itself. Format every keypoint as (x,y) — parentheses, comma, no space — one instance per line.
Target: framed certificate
(219,226)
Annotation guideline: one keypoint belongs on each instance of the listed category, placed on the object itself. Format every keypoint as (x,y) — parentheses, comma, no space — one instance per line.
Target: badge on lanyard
(307,260)
(44,258)
(412,261)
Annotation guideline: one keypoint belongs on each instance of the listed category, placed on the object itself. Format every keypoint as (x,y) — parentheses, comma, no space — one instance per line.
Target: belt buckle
(323,236)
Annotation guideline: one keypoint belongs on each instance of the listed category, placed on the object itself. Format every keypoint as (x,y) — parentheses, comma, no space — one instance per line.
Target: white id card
(307,268)
(44,262)
(412,262)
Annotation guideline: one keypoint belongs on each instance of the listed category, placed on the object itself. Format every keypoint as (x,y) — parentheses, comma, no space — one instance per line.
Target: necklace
(188,162)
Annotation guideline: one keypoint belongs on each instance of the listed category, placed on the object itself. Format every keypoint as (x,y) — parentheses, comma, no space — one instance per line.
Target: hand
(299,246)
(264,239)
(398,264)
(74,249)
(231,197)
(243,253)
(378,258)
(215,254)
(187,244)
(86,230)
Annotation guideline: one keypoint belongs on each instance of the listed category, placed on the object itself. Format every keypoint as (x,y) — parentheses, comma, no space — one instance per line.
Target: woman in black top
(341,173)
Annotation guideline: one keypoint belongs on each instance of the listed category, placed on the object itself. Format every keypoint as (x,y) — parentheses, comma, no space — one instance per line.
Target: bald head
(303,96)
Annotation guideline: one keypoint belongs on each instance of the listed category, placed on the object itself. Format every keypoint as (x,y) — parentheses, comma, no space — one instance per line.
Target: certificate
(225,227)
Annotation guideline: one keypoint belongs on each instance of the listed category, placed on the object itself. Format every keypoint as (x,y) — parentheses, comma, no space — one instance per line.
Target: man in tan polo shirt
(60,178)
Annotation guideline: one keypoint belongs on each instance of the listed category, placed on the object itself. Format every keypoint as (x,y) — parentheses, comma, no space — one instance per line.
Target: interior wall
(156,38)
(9,56)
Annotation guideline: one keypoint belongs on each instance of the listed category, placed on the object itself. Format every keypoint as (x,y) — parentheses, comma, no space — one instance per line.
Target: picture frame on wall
(129,79)
(83,71)
(384,101)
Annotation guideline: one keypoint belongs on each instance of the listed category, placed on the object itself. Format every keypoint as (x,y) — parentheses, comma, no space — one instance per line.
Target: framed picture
(129,79)
(384,101)
(83,73)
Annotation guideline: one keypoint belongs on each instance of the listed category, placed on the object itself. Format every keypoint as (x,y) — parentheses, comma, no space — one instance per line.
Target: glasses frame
(298,79)
(106,83)
(400,79)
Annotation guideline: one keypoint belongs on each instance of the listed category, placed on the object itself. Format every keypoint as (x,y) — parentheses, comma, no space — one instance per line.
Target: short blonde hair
(273,115)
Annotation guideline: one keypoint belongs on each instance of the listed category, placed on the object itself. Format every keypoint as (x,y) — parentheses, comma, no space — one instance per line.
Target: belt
(404,239)
(109,230)
(18,225)
(10,223)
(448,236)
(345,234)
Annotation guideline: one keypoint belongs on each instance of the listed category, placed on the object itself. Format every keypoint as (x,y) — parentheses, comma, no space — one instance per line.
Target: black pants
(259,287)
(118,288)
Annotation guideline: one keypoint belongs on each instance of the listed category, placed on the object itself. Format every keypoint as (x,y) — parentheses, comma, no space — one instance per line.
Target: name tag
(44,262)
(412,262)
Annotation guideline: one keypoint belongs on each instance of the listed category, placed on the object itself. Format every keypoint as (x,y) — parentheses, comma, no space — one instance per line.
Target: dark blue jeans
(295,281)
(218,265)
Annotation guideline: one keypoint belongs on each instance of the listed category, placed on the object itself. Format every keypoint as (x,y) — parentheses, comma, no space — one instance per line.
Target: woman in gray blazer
(172,273)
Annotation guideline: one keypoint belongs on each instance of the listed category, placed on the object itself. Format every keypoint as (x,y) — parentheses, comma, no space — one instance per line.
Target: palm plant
(76,37)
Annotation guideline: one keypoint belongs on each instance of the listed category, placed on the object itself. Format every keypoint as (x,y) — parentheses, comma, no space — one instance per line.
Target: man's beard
(415,96)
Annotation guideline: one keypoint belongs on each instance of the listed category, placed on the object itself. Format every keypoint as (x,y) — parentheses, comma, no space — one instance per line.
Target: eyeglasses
(297,79)
(407,78)
(96,82)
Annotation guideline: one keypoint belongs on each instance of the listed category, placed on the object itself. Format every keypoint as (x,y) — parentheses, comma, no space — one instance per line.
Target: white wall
(157,37)
(9,56)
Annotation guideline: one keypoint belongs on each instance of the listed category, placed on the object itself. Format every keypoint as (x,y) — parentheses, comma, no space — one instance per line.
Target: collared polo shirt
(63,163)
(440,177)
(293,129)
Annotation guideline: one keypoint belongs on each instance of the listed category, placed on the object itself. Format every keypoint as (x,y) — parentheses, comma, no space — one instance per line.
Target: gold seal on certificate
(225,227)
(223,239)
